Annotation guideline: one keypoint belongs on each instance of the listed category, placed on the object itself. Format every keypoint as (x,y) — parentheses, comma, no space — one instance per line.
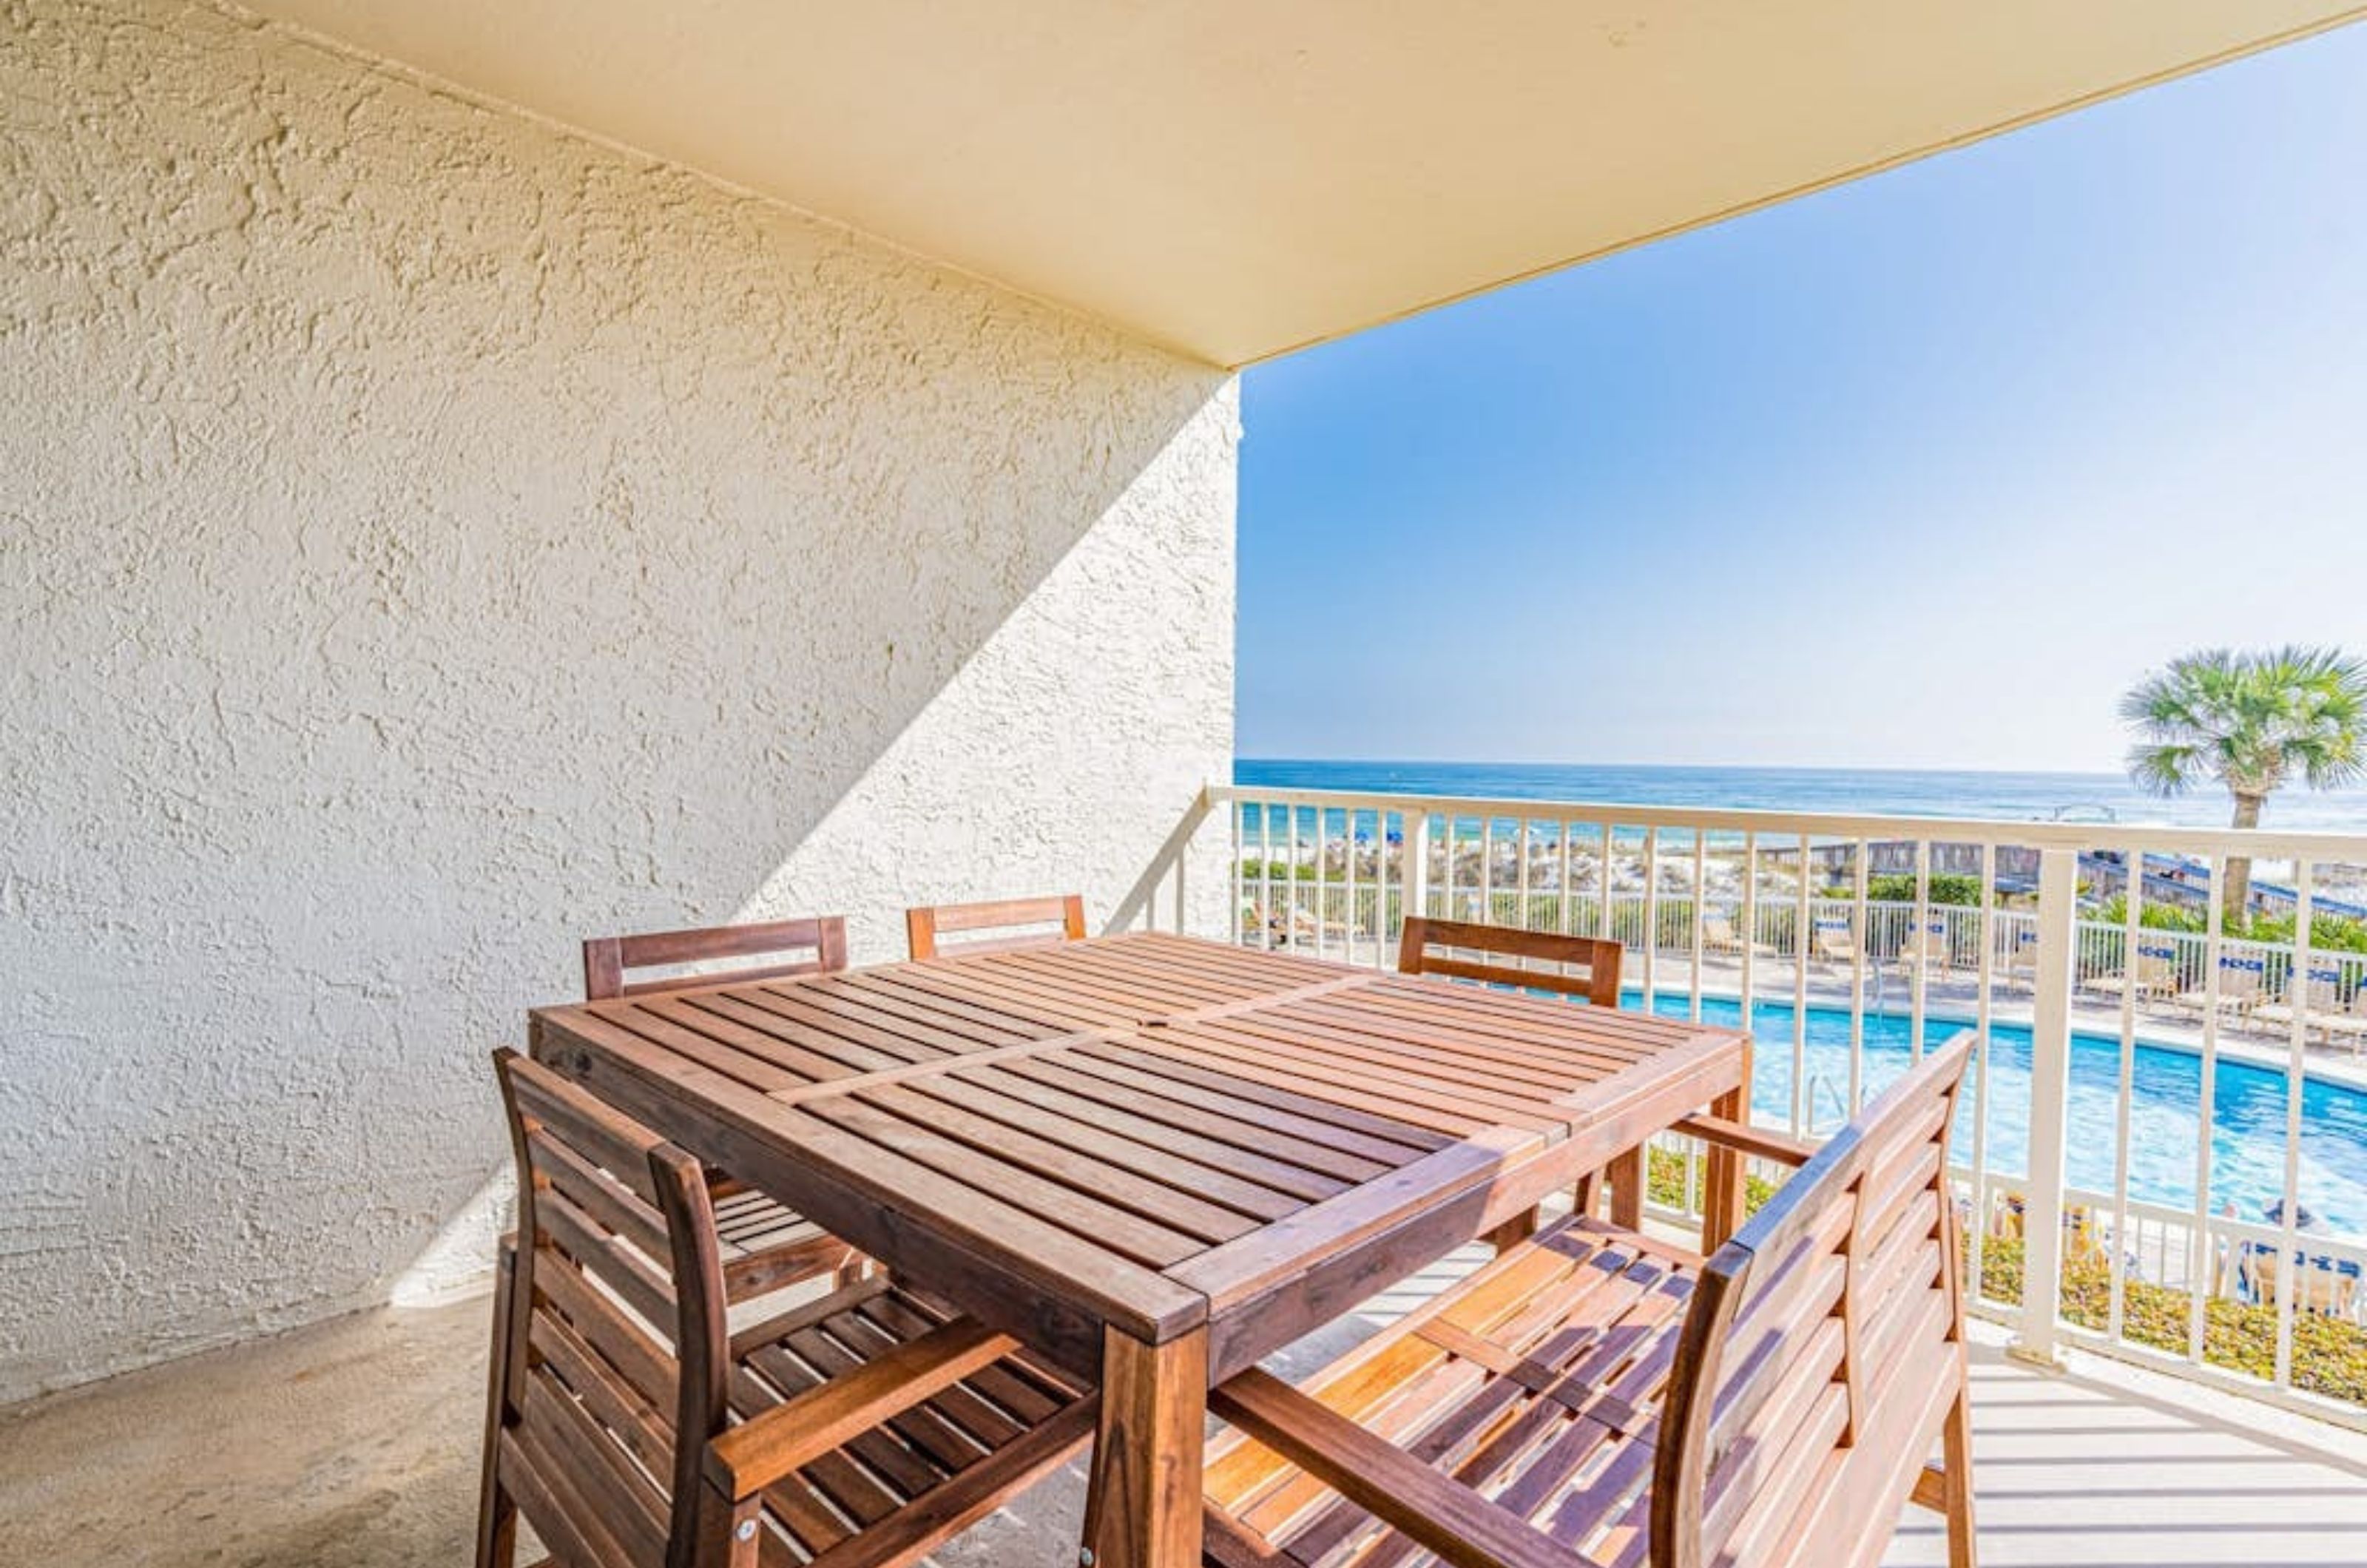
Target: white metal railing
(2105,1205)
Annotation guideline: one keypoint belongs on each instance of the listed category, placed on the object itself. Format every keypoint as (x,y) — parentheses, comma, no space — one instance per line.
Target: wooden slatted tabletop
(1155,1158)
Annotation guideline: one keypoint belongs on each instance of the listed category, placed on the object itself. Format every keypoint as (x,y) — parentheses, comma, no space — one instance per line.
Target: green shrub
(2327,933)
(2154,915)
(1664,1182)
(2329,1354)
(1946,887)
(1258,871)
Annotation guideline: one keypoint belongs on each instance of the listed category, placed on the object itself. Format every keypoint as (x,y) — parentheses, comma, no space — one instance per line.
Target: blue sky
(1918,472)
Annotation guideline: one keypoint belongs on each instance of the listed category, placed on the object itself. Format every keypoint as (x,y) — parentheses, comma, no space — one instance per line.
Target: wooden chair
(764,1244)
(1023,922)
(1428,945)
(1594,1396)
(632,1429)
(818,943)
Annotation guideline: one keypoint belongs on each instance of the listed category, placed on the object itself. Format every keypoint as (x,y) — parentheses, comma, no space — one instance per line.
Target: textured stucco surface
(426,538)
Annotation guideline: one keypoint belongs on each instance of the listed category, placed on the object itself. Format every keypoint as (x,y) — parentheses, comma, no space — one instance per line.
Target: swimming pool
(2248,1122)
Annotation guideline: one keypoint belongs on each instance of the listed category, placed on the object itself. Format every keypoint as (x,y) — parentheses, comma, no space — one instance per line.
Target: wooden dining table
(1153,1159)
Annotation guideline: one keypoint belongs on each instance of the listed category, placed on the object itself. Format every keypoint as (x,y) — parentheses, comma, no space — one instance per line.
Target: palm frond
(2250,720)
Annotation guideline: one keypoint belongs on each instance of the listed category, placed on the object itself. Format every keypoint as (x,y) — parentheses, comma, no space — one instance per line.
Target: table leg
(1723,1187)
(1625,1175)
(1143,1510)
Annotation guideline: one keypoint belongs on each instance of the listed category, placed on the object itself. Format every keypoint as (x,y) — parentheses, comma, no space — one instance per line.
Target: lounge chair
(2084,1235)
(2017,959)
(2324,1285)
(2154,976)
(1929,949)
(1719,935)
(1834,940)
(1309,930)
(2321,999)
(2350,1023)
(2240,989)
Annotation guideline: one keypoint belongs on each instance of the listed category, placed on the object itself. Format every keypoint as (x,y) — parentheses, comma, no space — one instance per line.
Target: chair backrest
(2321,991)
(2241,975)
(995,926)
(817,943)
(1823,1348)
(1428,947)
(618,1294)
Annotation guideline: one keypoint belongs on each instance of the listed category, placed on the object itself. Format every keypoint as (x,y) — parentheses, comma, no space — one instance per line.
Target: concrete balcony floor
(355,1442)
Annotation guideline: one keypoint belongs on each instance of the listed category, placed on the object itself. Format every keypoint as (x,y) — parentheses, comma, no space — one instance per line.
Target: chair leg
(496,1513)
(1582,1200)
(1512,1232)
(1625,1175)
(726,1534)
(1956,1454)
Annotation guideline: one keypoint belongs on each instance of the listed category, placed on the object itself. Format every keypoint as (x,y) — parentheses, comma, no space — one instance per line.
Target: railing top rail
(2259,844)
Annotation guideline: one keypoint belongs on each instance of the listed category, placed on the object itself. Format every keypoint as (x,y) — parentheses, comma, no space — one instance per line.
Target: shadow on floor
(356,1442)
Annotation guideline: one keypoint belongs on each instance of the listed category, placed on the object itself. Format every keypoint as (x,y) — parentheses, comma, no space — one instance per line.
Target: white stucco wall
(427,538)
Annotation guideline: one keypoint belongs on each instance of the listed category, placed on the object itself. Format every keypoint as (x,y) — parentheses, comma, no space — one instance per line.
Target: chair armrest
(1747,1140)
(750,1457)
(1434,1510)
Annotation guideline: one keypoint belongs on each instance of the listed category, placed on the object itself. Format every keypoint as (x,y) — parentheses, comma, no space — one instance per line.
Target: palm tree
(2253,722)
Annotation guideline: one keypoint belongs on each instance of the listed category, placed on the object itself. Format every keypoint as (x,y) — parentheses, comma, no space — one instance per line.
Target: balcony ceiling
(1235,178)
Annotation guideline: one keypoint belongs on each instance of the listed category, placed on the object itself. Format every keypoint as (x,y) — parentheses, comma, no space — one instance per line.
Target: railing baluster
(2050,1086)
(1920,944)
(1561,831)
(1861,938)
(2125,1091)
(1700,902)
(1413,857)
(1242,889)
(1355,910)
(1804,1115)
(2198,1319)
(1266,875)
(1603,891)
(1977,1239)
(1651,920)
(1750,928)
(2289,1263)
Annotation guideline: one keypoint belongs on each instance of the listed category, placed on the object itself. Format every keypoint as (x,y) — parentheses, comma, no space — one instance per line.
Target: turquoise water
(2006,796)
(2247,1119)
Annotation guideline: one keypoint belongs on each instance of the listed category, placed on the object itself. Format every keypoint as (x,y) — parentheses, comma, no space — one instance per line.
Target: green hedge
(1664,1182)
(2327,933)
(1899,887)
(2329,1354)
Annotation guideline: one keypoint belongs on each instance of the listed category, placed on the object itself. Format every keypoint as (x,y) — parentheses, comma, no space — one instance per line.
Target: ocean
(2008,797)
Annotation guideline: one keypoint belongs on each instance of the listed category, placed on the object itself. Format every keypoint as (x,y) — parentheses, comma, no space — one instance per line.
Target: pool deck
(355,1442)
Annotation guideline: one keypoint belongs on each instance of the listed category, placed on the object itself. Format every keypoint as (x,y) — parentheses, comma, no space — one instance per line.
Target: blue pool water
(2248,1119)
